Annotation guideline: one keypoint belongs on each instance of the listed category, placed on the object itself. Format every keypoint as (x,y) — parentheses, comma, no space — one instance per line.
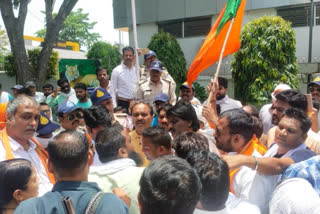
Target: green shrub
(107,53)
(265,59)
(170,54)
(200,92)
(33,57)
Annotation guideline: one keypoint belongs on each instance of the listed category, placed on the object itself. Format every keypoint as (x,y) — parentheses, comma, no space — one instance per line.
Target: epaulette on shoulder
(143,81)
(166,80)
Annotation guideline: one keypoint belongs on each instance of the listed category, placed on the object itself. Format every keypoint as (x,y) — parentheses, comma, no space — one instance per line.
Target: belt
(124,99)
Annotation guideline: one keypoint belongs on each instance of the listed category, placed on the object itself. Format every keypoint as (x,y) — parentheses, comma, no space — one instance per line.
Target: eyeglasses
(46,111)
(311,89)
(72,116)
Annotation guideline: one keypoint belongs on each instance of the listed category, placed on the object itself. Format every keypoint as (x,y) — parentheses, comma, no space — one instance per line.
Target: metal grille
(317,22)
(192,27)
(298,16)
(197,27)
(174,28)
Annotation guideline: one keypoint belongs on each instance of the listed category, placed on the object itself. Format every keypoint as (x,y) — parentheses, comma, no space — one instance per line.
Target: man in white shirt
(119,166)
(38,96)
(215,188)
(225,102)
(289,148)
(294,99)
(294,195)
(234,135)
(265,113)
(4,96)
(22,117)
(124,80)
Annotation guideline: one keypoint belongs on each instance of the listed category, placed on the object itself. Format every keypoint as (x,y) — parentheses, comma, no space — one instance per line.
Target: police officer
(155,85)
(145,70)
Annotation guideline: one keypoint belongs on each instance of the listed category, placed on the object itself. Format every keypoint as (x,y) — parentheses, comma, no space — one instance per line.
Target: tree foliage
(76,28)
(33,58)
(3,46)
(170,54)
(15,28)
(265,59)
(200,92)
(14,25)
(108,54)
(3,41)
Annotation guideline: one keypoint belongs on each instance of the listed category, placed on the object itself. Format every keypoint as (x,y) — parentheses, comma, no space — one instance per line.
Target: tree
(15,26)
(3,46)
(76,28)
(33,56)
(170,54)
(107,53)
(3,41)
(265,59)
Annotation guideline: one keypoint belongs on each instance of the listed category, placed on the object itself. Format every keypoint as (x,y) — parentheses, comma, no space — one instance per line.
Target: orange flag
(210,51)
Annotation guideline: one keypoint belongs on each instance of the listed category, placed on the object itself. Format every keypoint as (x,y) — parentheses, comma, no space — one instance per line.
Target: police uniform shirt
(148,90)
(144,75)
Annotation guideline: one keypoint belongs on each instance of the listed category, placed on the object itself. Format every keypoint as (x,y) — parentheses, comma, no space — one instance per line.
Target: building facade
(191,20)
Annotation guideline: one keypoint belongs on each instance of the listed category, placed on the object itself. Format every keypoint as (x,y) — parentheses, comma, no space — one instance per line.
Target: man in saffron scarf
(234,135)
(16,140)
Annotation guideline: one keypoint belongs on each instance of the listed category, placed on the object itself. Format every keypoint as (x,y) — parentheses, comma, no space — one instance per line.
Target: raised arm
(263,165)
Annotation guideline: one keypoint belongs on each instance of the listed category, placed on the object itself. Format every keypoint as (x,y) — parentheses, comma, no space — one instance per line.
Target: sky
(100,11)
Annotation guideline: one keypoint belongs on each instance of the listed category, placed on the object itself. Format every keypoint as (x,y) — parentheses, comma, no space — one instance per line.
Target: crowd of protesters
(133,146)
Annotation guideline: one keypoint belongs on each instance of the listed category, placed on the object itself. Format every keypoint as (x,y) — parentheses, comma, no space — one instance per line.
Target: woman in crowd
(18,182)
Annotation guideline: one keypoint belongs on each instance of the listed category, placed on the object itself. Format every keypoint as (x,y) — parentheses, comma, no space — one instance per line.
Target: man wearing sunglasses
(314,88)
(70,115)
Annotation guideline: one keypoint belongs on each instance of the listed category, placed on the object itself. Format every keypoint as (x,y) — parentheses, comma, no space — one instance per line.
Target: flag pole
(135,37)
(220,61)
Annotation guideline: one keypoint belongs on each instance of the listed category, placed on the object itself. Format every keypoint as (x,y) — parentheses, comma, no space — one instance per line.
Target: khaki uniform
(145,74)
(148,90)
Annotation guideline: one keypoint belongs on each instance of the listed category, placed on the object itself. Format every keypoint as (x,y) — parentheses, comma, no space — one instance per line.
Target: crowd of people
(132,146)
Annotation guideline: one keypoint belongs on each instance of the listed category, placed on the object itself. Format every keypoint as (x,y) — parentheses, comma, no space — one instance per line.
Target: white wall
(302,46)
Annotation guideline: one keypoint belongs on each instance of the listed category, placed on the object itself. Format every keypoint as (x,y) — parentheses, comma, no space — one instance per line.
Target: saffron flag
(210,51)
